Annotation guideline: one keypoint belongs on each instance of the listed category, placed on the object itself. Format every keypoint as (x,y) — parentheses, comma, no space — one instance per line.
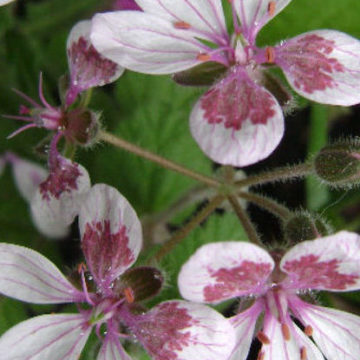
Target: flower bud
(305,226)
(81,126)
(139,283)
(338,164)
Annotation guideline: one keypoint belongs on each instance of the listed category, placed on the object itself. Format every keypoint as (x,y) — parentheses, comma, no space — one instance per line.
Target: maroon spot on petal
(88,67)
(311,272)
(235,99)
(309,62)
(106,253)
(164,334)
(229,282)
(126,5)
(63,178)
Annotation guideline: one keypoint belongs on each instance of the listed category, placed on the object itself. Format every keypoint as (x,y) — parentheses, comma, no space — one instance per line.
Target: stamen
(303,354)
(129,295)
(263,338)
(203,57)
(270,55)
(81,270)
(182,25)
(308,330)
(285,331)
(271,8)
(261,356)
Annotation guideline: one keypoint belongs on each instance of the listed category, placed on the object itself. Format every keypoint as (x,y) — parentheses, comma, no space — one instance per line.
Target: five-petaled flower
(222,271)
(109,300)
(238,121)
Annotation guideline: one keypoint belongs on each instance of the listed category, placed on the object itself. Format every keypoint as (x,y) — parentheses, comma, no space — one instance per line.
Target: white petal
(111,233)
(335,332)
(224,270)
(254,14)
(4,2)
(180,330)
(27,175)
(111,349)
(87,67)
(55,207)
(280,348)
(237,122)
(328,263)
(322,65)
(206,16)
(28,276)
(55,337)
(144,42)
(244,324)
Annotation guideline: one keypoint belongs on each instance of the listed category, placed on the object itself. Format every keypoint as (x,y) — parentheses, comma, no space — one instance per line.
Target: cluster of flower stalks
(237,122)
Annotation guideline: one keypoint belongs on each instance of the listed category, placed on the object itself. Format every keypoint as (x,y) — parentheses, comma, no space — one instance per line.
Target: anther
(303,354)
(81,268)
(261,356)
(182,25)
(203,57)
(308,330)
(263,338)
(129,295)
(270,55)
(271,8)
(285,331)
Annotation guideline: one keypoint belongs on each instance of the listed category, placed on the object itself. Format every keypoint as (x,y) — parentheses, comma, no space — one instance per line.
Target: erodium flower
(238,121)
(221,271)
(109,300)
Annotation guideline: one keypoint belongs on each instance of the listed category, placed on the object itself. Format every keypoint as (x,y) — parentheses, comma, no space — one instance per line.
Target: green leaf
(317,194)
(11,313)
(153,113)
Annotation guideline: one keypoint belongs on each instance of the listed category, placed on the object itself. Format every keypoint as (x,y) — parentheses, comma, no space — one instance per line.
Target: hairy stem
(192,224)
(245,221)
(266,203)
(168,164)
(279,174)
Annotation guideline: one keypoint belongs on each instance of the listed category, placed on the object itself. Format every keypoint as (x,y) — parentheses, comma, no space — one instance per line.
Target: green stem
(245,221)
(279,174)
(192,224)
(266,203)
(168,164)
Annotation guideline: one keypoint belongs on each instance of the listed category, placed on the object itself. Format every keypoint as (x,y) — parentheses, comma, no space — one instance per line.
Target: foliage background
(153,113)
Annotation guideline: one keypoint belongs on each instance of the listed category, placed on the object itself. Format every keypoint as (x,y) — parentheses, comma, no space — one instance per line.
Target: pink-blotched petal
(322,65)
(27,175)
(145,43)
(111,349)
(223,270)
(58,199)
(336,333)
(289,344)
(328,263)
(204,18)
(179,330)
(244,325)
(237,122)
(55,337)
(125,5)
(254,14)
(111,234)
(87,67)
(28,276)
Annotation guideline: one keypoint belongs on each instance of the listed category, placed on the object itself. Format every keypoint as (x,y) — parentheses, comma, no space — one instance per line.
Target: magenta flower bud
(338,164)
